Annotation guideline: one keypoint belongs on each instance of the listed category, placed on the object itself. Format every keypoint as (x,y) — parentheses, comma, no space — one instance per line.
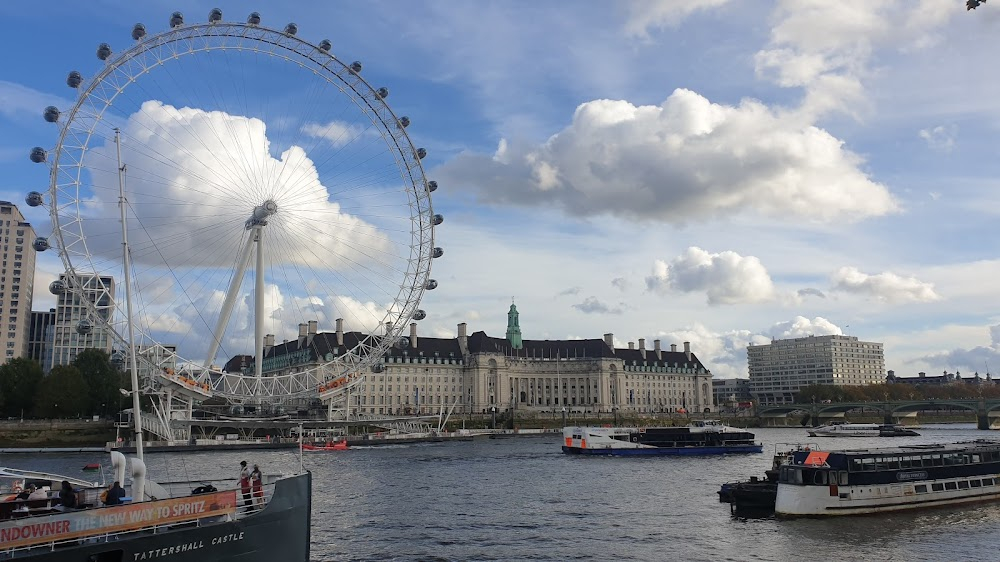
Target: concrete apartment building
(17,277)
(731,393)
(779,369)
(79,325)
(40,338)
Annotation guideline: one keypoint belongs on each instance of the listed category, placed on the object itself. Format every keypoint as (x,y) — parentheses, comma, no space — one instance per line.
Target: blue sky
(714,171)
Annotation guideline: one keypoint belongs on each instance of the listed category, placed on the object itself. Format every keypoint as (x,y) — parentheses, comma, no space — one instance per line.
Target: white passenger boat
(850,482)
(702,437)
(861,430)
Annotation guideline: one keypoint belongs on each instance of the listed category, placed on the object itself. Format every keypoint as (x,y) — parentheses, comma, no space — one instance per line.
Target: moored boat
(849,482)
(703,437)
(330,446)
(861,430)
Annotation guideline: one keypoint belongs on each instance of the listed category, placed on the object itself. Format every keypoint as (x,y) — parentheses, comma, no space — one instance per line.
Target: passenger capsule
(419,315)
(383,93)
(431,284)
(84,327)
(38,155)
(291,29)
(437,219)
(74,79)
(356,67)
(138,31)
(254,18)
(34,199)
(176,20)
(51,114)
(57,287)
(104,51)
(404,121)
(214,15)
(402,343)
(432,186)
(40,244)
(437,253)
(421,153)
(118,358)
(378,368)
(325,45)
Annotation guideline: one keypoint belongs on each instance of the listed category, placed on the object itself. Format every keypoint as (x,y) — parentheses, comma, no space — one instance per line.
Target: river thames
(522,499)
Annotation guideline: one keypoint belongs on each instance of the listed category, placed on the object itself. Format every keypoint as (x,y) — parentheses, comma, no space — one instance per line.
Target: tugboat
(703,437)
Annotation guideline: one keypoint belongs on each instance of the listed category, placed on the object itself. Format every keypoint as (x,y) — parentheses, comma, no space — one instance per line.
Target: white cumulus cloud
(726,277)
(885,287)
(684,160)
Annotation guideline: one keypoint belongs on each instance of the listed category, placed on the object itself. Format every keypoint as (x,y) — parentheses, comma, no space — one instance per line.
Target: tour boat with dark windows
(850,482)
(841,429)
(703,437)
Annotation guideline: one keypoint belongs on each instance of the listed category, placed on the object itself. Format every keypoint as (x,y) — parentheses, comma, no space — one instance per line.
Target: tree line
(89,386)
(956,390)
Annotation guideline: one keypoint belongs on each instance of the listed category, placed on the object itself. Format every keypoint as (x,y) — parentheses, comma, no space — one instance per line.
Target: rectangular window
(937,487)
(963,485)
(975,483)
(920,488)
(950,486)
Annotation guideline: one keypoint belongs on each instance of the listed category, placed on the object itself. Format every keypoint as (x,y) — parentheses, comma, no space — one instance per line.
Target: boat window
(920,488)
(819,478)
(906,462)
(963,485)
(843,477)
(950,486)
(856,465)
(987,481)
(937,487)
(975,483)
(868,464)
(976,458)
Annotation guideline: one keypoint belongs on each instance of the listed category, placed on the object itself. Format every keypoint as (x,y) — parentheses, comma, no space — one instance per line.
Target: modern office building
(779,369)
(17,277)
(477,373)
(40,336)
(731,393)
(84,307)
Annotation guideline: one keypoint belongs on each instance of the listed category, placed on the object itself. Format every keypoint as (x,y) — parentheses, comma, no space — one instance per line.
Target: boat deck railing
(246,505)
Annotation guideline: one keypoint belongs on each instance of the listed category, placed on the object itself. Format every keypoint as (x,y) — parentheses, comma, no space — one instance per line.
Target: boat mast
(133,368)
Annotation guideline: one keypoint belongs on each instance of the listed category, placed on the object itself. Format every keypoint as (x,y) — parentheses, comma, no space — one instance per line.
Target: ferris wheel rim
(75,252)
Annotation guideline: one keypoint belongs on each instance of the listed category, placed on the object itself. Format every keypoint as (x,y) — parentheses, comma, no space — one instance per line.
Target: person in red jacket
(257,484)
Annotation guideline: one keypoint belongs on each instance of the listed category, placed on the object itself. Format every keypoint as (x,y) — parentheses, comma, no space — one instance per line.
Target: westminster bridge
(987,412)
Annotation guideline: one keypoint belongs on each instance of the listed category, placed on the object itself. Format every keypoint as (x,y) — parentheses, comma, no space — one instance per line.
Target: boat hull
(281,531)
(665,451)
(813,501)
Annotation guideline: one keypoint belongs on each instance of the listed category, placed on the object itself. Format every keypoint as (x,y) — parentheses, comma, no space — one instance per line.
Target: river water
(522,499)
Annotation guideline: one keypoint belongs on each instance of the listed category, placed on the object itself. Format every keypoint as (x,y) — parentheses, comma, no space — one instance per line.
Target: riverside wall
(56,433)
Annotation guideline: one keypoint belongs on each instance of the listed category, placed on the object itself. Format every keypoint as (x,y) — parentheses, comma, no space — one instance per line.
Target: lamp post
(564,416)
(493,410)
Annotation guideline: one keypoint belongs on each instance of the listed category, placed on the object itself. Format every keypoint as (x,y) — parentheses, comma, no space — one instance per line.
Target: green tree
(63,394)
(19,381)
(103,380)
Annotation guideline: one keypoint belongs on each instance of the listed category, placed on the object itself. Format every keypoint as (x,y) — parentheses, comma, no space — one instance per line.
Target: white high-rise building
(779,369)
(80,326)
(17,277)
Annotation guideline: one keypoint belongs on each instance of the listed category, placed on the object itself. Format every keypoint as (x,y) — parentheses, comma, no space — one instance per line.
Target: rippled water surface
(522,499)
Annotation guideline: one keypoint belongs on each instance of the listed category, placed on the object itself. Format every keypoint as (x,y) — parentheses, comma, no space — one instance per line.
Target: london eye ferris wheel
(263,183)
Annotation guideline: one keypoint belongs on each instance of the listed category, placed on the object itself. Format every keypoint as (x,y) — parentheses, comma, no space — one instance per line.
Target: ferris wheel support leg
(227,305)
(258,315)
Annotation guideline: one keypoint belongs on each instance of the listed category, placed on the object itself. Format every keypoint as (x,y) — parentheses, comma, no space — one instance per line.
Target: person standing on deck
(245,484)
(257,485)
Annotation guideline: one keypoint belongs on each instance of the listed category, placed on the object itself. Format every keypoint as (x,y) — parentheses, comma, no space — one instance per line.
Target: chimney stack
(642,345)
(461,330)
(302,330)
(413,335)
(631,345)
(609,339)
(313,326)
(673,348)
(340,331)
(657,350)
(687,350)
(268,342)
